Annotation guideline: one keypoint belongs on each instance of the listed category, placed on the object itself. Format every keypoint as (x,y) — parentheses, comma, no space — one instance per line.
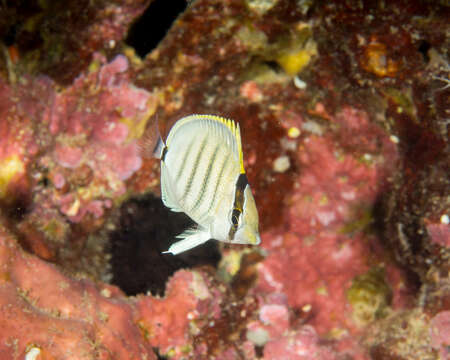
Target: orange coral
(376,60)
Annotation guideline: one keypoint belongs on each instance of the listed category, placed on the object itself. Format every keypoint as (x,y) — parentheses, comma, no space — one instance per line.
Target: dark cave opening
(147,31)
(423,48)
(146,228)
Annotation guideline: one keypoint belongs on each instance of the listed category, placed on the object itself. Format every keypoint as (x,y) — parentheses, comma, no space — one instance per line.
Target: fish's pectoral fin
(150,143)
(191,239)
(158,149)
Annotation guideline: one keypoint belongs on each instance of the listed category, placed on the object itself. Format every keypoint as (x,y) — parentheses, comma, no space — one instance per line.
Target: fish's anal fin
(191,239)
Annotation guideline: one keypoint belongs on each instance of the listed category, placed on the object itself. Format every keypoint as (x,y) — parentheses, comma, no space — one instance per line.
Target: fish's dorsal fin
(236,131)
(241,155)
(232,126)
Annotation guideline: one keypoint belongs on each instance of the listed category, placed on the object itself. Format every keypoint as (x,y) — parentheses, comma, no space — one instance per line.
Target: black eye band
(164,152)
(238,205)
(235,217)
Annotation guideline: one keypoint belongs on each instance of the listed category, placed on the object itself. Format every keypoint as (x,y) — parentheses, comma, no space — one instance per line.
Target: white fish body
(202,175)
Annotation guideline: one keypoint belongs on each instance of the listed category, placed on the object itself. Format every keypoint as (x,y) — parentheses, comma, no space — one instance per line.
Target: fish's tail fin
(151,143)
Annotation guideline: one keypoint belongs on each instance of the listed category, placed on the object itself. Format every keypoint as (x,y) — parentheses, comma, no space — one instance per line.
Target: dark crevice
(273,65)
(9,38)
(423,48)
(146,33)
(158,356)
(259,351)
(18,208)
(382,218)
(146,228)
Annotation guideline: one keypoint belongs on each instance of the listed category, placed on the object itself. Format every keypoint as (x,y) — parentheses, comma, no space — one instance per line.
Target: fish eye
(235,215)
(234,220)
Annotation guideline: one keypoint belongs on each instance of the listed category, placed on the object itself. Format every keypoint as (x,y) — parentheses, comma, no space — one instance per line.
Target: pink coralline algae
(324,249)
(82,142)
(18,144)
(167,324)
(275,330)
(250,90)
(347,156)
(64,318)
(272,322)
(439,233)
(440,334)
(69,318)
(97,119)
(322,246)
(300,345)
(405,335)
(79,29)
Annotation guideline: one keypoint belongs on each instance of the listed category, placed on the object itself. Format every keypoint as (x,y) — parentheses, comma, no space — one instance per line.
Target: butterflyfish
(202,175)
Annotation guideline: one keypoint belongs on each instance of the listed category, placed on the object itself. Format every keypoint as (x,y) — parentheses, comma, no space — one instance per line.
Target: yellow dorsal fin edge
(230,124)
(235,130)
(241,156)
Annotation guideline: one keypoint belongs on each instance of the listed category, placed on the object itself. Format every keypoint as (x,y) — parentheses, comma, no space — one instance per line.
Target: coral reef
(344,119)
(59,39)
(406,335)
(62,317)
(66,155)
(137,246)
(293,345)
(440,333)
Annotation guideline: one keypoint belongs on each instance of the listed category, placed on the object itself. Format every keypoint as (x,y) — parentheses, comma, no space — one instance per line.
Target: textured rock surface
(64,318)
(343,112)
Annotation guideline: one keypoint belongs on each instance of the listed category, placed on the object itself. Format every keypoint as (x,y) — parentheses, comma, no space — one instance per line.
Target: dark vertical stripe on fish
(219,180)
(238,205)
(205,183)
(194,168)
(164,152)
(184,161)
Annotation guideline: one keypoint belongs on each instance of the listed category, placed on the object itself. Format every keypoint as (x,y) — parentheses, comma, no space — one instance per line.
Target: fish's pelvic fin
(191,239)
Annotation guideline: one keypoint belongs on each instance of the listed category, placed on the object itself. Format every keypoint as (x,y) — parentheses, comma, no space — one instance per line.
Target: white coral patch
(326,217)
(32,353)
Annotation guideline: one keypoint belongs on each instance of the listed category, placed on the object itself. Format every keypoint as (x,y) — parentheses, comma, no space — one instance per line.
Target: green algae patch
(370,296)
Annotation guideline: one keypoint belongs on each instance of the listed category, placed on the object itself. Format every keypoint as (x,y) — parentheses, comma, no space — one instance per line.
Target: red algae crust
(339,109)
(64,318)
(96,123)
(66,155)
(58,39)
(70,318)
